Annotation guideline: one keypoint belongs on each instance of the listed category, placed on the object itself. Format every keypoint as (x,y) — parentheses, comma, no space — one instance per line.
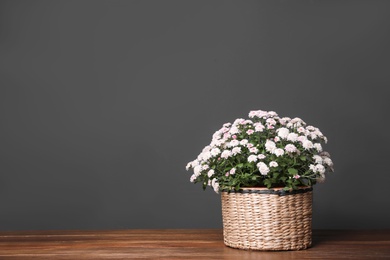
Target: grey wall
(103,103)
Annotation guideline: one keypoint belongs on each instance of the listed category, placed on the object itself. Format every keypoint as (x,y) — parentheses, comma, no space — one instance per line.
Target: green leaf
(292,171)
(240,165)
(303,158)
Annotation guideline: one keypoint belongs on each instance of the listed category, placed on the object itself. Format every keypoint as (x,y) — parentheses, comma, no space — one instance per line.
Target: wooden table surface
(182,244)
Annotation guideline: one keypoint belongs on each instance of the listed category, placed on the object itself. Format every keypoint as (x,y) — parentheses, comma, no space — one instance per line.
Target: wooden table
(181,244)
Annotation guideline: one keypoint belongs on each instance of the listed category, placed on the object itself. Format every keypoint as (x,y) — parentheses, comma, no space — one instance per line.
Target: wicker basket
(263,219)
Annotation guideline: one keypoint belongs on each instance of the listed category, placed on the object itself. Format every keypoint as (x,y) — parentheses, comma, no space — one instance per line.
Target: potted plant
(264,167)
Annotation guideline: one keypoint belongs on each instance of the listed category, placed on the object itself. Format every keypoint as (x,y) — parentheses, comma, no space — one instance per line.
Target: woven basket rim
(275,191)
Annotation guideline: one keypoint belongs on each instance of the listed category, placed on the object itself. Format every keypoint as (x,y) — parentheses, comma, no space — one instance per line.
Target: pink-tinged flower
(307,144)
(278,152)
(215,151)
(272,113)
(263,168)
(227,174)
(273,164)
(276,139)
(301,130)
(290,148)
(252,114)
(270,146)
(236,150)
(193,177)
(259,127)
(252,158)
(226,135)
(227,125)
(250,131)
(270,127)
(292,137)
(261,156)
(253,150)
(232,171)
(226,154)
(301,138)
(233,143)
(243,141)
(283,132)
(210,173)
(234,136)
(271,121)
(284,120)
(296,176)
(234,130)
(249,145)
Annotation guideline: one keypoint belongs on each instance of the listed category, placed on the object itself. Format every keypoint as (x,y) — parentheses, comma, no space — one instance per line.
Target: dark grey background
(103,103)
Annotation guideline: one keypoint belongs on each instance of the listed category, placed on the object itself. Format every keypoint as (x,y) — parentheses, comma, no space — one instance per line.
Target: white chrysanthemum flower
(197,170)
(259,127)
(320,168)
(252,114)
(243,141)
(232,171)
(327,161)
(310,128)
(261,156)
(273,164)
(215,185)
(312,167)
(215,151)
(284,120)
(210,173)
(301,130)
(283,132)
(188,166)
(278,152)
(193,177)
(205,156)
(307,144)
(226,154)
(234,130)
(252,158)
(270,146)
(318,147)
(205,167)
(290,148)
(250,131)
(270,121)
(233,143)
(238,121)
(236,150)
(292,137)
(301,138)
(263,168)
(272,114)
(253,150)
(317,159)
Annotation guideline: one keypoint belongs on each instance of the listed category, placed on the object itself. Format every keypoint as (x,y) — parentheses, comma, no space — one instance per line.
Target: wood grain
(182,244)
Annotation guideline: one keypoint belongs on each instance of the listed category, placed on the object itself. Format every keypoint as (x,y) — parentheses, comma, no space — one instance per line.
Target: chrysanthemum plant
(263,151)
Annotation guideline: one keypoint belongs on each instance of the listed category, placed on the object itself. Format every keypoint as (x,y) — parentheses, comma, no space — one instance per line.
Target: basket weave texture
(262,219)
